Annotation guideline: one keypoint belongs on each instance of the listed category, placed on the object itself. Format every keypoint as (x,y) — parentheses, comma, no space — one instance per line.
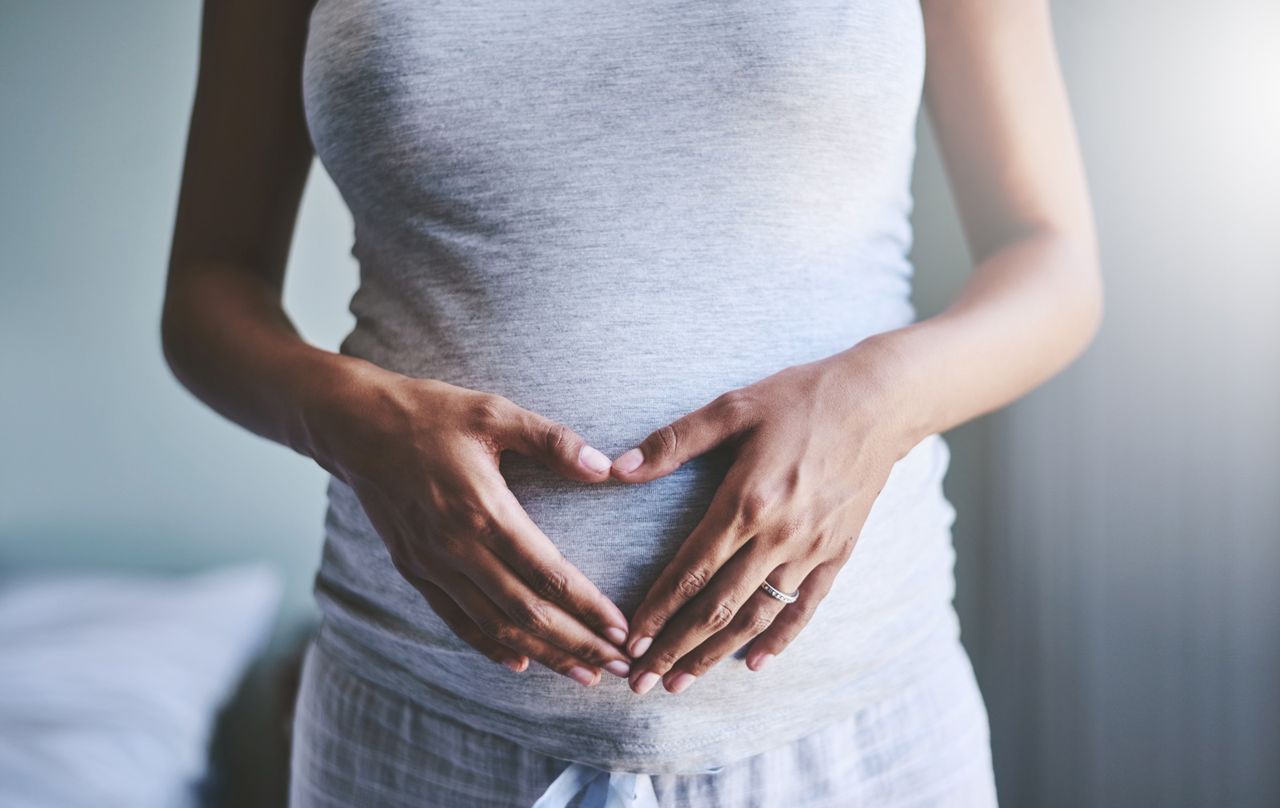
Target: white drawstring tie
(604,789)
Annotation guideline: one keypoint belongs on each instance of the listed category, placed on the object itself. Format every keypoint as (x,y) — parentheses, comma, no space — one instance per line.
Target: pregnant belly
(888,608)
(619,535)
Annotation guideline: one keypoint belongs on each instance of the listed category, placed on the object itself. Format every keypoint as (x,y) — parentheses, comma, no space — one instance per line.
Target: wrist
(887,377)
(340,401)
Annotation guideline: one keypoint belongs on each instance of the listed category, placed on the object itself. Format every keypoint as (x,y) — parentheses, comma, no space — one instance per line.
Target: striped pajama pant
(357,744)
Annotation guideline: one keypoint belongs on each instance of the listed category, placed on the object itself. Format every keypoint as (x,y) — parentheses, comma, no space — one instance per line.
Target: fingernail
(582,676)
(629,460)
(760,661)
(618,668)
(646,682)
(615,635)
(681,682)
(640,646)
(593,459)
(516,665)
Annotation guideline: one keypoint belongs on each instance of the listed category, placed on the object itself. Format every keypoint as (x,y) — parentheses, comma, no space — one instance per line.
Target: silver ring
(780,595)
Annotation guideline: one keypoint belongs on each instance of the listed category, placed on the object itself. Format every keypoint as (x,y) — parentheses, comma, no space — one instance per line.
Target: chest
(490,100)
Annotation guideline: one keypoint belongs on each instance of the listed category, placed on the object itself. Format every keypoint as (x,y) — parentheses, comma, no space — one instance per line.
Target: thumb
(554,445)
(671,446)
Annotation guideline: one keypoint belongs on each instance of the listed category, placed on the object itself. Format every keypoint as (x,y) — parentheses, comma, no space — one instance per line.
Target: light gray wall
(1117,529)
(104,459)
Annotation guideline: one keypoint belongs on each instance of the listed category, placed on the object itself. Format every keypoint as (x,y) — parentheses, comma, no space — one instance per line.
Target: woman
(634,369)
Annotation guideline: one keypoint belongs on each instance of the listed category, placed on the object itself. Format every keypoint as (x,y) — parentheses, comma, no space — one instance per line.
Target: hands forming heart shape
(812,448)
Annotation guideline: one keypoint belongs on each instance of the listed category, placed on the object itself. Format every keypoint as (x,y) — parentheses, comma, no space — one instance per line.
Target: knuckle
(488,411)
(452,544)
(497,629)
(691,582)
(718,617)
(666,441)
(790,530)
(704,663)
(845,547)
(760,621)
(472,521)
(588,652)
(831,547)
(801,611)
(735,408)
(439,500)
(666,659)
(530,615)
(549,583)
(556,438)
(751,507)
(795,479)
(821,544)
(652,624)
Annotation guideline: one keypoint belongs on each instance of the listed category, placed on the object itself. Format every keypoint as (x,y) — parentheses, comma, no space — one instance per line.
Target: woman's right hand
(422,457)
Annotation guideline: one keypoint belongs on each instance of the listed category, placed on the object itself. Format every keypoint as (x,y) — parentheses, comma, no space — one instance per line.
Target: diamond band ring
(779,594)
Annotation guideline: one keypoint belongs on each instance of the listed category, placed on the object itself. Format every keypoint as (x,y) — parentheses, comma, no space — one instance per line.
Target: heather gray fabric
(611,213)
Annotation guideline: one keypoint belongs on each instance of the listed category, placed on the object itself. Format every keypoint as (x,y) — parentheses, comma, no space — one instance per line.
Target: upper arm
(248,150)
(999,109)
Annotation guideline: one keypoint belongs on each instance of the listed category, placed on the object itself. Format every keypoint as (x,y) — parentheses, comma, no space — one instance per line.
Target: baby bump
(890,602)
(619,535)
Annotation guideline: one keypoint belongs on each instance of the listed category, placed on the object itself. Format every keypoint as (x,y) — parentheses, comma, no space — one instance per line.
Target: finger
(705,615)
(730,521)
(542,618)
(519,542)
(696,433)
(466,628)
(755,616)
(551,443)
(792,620)
(497,626)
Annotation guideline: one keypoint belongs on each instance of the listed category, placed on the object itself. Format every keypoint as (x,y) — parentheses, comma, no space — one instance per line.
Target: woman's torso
(611,213)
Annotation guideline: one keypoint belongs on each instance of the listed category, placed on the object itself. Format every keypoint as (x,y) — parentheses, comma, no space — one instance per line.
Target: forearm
(1027,311)
(228,340)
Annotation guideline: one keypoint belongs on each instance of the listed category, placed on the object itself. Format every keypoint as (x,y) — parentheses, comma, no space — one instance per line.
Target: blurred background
(1118,531)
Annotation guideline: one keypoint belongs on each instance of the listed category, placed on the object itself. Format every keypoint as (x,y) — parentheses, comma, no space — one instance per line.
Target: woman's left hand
(813,446)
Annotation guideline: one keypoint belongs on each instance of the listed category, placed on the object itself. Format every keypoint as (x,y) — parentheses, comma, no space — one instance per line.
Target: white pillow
(110,684)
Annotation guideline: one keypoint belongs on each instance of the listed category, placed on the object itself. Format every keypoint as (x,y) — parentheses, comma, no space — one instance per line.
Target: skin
(814,444)
(422,455)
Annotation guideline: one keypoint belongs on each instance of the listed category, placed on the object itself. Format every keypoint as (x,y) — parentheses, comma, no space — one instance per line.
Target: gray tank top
(611,212)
